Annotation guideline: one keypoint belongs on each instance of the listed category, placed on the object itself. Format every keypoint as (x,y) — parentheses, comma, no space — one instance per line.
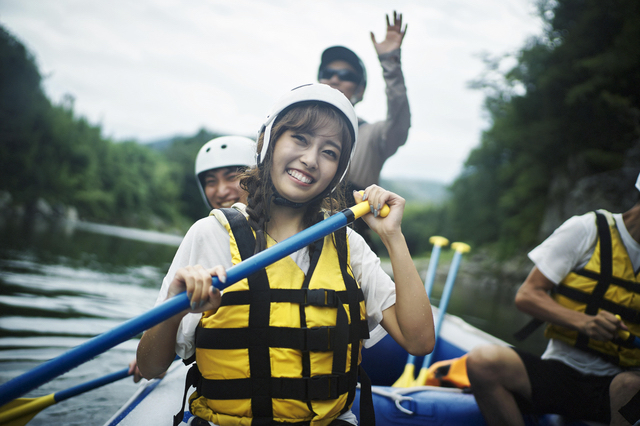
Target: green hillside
(419,191)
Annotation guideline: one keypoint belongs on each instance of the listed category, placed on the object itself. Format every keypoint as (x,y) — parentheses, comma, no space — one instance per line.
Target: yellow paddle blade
(439,241)
(406,378)
(20,411)
(421,380)
(461,247)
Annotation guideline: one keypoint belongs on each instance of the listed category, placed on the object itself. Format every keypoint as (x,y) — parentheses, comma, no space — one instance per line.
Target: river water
(60,285)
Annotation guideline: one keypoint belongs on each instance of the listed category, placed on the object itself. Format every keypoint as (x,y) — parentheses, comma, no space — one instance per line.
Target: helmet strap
(265,142)
(279,200)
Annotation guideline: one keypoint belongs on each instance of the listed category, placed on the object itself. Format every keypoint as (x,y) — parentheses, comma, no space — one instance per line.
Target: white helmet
(225,151)
(311,92)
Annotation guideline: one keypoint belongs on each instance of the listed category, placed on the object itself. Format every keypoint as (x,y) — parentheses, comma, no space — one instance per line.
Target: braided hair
(304,117)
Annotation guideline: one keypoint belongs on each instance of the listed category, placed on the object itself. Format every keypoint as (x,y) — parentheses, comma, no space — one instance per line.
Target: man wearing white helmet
(585,284)
(342,69)
(218,165)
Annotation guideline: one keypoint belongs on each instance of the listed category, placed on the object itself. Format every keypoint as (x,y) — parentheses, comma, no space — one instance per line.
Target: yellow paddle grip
(363,208)
(624,334)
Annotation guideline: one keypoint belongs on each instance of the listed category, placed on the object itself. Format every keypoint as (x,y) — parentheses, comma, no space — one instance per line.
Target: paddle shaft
(40,403)
(92,384)
(47,371)
(431,272)
(444,302)
(430,278)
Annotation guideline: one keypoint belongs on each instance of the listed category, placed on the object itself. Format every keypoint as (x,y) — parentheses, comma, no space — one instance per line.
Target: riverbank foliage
(569,104)
(48,153)
(570,107)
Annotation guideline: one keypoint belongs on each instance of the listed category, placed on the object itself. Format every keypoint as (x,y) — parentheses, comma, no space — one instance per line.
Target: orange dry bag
(450,373)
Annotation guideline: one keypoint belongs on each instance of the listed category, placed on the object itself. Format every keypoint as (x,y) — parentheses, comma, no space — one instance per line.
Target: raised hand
(395,35)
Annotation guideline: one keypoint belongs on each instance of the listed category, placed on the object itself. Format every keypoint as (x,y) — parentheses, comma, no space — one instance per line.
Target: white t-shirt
(568,249)
(207,244)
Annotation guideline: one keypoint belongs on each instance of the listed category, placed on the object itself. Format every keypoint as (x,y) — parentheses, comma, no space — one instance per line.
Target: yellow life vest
(607,282)
(283,346)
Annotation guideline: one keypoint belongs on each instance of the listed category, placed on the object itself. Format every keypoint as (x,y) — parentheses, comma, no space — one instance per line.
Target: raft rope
(398,394)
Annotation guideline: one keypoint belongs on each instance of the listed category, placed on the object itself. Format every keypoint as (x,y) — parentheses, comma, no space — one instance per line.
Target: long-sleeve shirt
(380,140)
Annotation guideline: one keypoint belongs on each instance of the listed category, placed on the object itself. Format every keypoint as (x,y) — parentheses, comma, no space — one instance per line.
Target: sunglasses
(342,74)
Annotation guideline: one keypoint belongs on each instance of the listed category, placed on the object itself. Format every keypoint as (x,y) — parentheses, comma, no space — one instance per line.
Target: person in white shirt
(585,284)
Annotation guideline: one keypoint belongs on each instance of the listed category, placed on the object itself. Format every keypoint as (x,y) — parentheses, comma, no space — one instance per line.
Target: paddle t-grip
(362,208)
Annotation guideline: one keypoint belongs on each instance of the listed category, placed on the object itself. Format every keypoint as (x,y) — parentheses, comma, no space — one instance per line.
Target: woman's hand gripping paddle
(49,370)
(460,249)
(407,377)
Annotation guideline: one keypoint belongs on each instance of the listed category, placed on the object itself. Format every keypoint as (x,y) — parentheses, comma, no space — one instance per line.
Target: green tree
(46,152)
(182,154)
(23,109)
(569,106)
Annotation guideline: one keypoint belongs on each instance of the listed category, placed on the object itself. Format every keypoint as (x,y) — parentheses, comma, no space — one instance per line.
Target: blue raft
(156,401)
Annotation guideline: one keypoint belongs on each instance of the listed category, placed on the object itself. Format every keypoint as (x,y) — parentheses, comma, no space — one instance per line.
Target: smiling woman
(308,156)
(318,157)
(305,147)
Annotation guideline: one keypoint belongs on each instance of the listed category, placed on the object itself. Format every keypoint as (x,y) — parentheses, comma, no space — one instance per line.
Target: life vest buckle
(323,387)
(321,297)
(318,339)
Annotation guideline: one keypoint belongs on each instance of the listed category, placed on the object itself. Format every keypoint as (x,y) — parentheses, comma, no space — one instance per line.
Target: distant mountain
(417,190)
(199,138)
(161,144)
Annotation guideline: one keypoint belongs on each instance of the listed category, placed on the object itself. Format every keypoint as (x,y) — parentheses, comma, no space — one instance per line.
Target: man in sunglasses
(342,69)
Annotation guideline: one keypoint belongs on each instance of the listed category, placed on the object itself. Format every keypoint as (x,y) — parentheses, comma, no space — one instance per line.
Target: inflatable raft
(156,401)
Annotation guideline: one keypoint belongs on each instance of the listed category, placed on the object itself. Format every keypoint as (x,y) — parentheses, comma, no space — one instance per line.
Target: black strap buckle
(318,339)
(321,297)
(322,387)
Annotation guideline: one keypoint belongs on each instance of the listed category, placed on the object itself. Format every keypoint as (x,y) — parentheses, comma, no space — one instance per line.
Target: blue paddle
(460,249)
(407,377)
(47,371)
(20,411)
(438,243)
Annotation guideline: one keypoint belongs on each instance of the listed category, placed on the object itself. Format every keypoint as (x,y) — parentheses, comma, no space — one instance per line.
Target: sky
(153,69)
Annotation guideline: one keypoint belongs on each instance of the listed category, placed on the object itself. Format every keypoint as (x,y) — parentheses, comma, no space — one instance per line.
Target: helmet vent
(223,146)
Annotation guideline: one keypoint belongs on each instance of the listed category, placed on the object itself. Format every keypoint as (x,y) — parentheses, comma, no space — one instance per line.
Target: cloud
(151,69)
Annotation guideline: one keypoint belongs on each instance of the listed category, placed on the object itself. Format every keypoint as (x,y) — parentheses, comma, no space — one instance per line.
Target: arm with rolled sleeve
(379,141)
(567,249)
